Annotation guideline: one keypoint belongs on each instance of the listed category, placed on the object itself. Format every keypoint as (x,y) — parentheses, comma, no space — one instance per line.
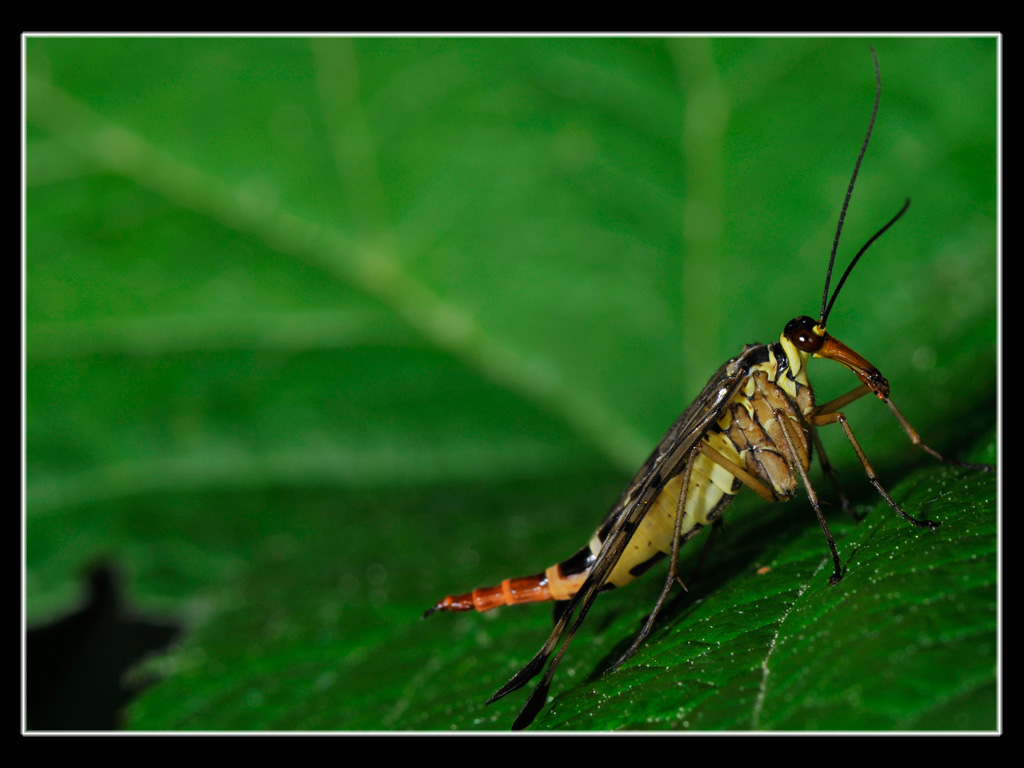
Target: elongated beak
(833,349)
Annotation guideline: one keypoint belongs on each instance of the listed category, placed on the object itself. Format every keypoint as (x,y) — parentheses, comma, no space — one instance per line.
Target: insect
(754,424)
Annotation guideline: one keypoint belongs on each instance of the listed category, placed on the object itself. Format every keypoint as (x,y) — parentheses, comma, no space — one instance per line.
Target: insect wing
(667,461)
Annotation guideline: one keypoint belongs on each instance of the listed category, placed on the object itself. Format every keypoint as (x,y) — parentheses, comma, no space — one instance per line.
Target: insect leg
(787,427)
(672,457)
(611,551)
(916,440)
(739,472)
(765,492)
(834,405)
(831,418)
(830,473)
(843,400)
(673,568)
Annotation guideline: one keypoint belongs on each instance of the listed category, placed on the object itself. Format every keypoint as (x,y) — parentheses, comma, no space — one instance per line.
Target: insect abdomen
(711,489)
(747,434)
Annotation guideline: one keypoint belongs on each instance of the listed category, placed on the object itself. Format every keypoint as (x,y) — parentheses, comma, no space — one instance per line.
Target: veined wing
(667,461)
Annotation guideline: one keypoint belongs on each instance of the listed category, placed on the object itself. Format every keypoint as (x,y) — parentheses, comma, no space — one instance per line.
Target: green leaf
(318,331)
(905,641)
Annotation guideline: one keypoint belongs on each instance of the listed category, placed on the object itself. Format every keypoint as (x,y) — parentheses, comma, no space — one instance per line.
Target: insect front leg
(855,394)
(916,440)
(821,419)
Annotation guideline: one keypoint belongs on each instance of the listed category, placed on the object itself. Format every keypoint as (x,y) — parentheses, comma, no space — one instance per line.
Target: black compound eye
(800,331)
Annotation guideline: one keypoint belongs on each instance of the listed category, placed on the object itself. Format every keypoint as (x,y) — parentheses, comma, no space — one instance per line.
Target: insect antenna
(849,192)
(849,269)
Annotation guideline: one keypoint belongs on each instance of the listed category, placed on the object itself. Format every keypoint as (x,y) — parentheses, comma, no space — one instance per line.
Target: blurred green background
(320,330)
